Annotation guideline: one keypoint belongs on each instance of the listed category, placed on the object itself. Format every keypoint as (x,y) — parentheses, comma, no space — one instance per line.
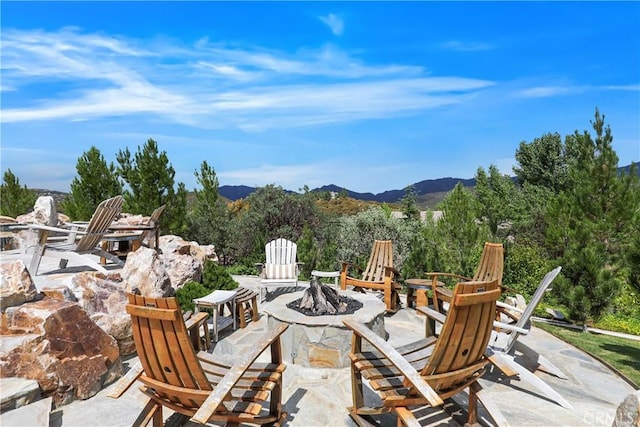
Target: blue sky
(371,96)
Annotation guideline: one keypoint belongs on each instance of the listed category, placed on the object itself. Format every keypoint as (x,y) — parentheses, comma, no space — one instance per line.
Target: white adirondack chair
(504,342)
(281,267)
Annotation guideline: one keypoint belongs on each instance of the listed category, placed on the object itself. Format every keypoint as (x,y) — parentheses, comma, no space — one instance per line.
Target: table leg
(215,322)
(410,297)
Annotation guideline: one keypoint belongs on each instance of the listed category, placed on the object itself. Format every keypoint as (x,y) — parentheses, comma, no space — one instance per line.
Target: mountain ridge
(434,187)
(421,188)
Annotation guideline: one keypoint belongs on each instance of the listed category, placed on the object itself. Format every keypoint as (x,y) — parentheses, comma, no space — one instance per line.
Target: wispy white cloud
(632,88)
(465,46)
(334,23)
(545,91)
(210,85)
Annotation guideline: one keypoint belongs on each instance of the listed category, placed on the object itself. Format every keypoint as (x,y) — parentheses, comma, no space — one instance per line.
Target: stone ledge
(17,392)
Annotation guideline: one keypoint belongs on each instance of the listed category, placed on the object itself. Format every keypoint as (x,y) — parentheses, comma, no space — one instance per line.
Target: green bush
(619,323)
(242,270)
(355,235)
(188,292)
(525,266)
(215,277)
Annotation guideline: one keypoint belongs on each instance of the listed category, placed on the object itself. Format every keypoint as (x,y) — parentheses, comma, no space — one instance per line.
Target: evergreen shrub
(216,277)
(188,292)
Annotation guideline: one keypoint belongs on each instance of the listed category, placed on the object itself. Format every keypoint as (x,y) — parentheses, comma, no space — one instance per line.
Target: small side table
(420,287)
(216,301)
(334,274)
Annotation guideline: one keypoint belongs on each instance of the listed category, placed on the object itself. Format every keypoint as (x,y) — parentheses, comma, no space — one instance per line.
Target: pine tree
(587,222)
(96,181)
(150,180)
(209,219)
(14,199)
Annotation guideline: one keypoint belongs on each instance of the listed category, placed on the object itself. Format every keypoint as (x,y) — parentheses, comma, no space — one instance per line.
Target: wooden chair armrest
(454,275)
(405,368)
(218,395)
(196,320)
(126,381)
(433,314)
(393,270)
(500,362)
(346,265)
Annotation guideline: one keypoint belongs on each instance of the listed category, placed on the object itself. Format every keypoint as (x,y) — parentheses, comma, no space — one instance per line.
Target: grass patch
(621,353)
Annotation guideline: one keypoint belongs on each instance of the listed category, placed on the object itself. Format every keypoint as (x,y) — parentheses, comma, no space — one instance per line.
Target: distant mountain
(235,192)
(427,191)
(441,185)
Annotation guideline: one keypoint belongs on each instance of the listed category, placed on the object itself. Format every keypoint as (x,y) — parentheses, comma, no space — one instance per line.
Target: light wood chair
(378,275)
(490,267)
(75,248)
(431,370)
(194,384)
(281,267)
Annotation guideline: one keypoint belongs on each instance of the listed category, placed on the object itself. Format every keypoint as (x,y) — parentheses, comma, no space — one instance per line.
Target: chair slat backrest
(491,263)
(459,351)
(381,256)
(154,220)
(281,251)
(165,350)
(525,317)
(104,215)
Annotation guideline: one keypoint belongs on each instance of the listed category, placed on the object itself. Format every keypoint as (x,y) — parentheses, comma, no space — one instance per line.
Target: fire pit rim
(371,306)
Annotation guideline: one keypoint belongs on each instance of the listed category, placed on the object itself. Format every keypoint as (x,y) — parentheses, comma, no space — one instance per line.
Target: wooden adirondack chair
(504,342)
(432,369)
(128,235)
(78,249)
(379,274)
(195,384)
(154,221)
(281,267)
(490,267)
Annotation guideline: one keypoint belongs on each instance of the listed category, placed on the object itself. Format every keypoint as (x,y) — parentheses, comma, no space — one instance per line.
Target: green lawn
(621,353)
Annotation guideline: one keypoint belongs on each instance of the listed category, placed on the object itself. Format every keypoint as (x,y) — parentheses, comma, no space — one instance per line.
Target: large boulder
(16,285)
(104,300)
(145,273)
(45,212)
(184,260)
(628,413)
(61,348)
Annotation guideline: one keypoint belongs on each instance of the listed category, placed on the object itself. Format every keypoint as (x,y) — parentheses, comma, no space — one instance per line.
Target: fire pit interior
(319,300)
(322,340)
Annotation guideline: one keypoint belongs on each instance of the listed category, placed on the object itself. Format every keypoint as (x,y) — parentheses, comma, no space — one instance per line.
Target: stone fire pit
(322,341)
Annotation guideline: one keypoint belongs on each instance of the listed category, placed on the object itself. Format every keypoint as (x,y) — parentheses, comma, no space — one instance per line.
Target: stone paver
(319,397)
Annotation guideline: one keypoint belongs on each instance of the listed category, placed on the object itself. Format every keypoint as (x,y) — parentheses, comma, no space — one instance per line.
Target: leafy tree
(498,198)
(458,234)
(150,180)
(14,199)
(209,220)
(355,235)
(96,181)
(452,243)
(588,223)
(410,207)
(269,213)
(542,163)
